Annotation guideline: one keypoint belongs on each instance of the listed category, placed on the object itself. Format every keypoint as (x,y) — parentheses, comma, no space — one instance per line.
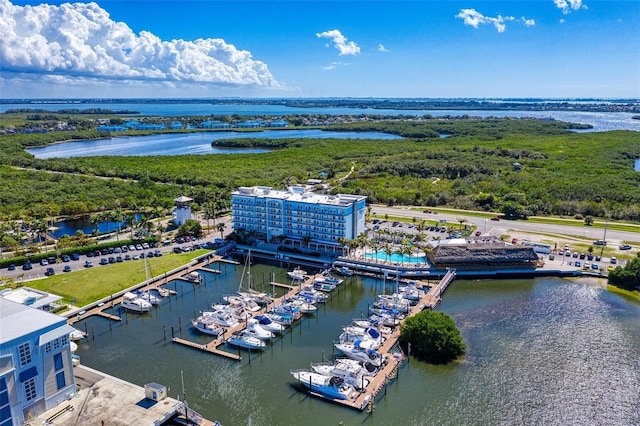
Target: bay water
(539,351)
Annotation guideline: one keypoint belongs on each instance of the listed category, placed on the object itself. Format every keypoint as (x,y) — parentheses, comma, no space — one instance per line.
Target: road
(567,232)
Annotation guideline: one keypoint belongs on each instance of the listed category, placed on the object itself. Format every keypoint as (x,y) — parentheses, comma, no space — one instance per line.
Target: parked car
(127,257)
(67,268)
(145,246)
(88,264)
(12,267)
(613,260)
(600,243)
(66,258)
(625,247)
(112,259)
(75,256)
(575,254)
(27,266)
(49,272)
(44,262)
(104,261)
(138,246)
(157,253)
(582,255)
(478,233)
(514,240)
(495,218)
(132,248)
(598,258)
(589,256)
(177,250)
(578,264)
(594,266)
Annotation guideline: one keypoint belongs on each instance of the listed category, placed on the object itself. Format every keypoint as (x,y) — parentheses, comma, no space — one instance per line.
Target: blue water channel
(184,143)
(396,258)
(541,351)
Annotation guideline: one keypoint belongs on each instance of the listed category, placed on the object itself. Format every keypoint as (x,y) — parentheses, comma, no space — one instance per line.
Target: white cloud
(334,65)
(340,42)
(562,21)
(474,19)
(381,48)
(566,6)
(81,41)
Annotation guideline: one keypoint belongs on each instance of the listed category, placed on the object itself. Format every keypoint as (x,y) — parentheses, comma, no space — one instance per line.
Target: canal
(543,351)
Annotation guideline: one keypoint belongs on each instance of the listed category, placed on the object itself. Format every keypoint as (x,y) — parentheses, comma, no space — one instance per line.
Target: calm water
(186,143)
(601,121)
(544,351)
(71,226)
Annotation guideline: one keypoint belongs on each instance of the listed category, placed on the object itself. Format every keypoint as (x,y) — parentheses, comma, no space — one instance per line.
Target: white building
(298,214)
(182,211)
(36,371)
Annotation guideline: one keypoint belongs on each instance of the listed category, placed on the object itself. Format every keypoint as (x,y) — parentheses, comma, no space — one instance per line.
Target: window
(24,351)
(60,380)
(30,389)
(57,361)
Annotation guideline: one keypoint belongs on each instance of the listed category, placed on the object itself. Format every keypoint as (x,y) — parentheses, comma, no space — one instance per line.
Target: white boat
(369,337)
(163,292)
(132,302)
(76,335)
(194,277)
(288,310)
(236,309)
(350,370)
(73,346)
(357,352)
(297,274)
(254,329)
(304,306)
(222,318)
(148,296)
(333,280)
(248,303)
(321,284)
(282,319)
(327,386)
(312,295)
(411,292)
(393,301)
(243,340)
(206,325)
(344,271)
(268,324)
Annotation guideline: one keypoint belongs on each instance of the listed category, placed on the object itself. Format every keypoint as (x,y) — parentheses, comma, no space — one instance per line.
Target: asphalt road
(570,232)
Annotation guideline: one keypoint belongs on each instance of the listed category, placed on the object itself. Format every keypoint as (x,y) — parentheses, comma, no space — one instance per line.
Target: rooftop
(17,320)
(30,297)
(299,194)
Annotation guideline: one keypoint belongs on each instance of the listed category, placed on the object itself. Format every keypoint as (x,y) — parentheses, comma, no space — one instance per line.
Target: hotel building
(298,214)
(36,370)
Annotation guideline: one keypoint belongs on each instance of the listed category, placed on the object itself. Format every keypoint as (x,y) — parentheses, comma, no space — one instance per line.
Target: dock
(211,347)
(365,398)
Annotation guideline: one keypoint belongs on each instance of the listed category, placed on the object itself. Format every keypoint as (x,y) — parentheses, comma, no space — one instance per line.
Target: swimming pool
(395,257)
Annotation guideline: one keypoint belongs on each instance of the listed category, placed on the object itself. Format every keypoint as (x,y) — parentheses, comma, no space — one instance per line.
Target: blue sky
(538,48)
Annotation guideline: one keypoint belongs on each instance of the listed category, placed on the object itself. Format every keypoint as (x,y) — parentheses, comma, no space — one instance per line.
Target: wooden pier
(366,397)
(211,347)
(213,271)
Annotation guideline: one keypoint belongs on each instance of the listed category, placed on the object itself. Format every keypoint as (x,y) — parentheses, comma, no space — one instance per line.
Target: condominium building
(298,214)
(36,370)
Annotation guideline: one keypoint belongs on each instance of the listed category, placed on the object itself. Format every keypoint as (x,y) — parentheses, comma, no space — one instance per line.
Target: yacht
(268,324)
(344,271)
(355,351)
(330,387)
(132,302)
(254,329)
(206,325)
(221,317)
(350,370)
(297,274)
(243,340)
(194,277)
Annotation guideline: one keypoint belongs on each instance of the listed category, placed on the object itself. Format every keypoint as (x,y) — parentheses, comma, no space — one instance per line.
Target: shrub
(433,336)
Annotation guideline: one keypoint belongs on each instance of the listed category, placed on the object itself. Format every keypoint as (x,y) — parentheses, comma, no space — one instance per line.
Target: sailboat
(261,299)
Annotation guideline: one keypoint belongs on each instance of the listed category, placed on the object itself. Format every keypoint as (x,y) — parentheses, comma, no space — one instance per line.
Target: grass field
(82,287)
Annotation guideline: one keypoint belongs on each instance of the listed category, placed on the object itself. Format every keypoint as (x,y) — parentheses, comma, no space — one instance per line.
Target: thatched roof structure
(477,256)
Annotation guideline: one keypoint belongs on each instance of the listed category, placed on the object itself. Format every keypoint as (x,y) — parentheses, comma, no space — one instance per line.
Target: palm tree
(129,222)
(461,221)
(209,212)
(41,228)
(95,221)
(388,250)
(221,227)
(117,214)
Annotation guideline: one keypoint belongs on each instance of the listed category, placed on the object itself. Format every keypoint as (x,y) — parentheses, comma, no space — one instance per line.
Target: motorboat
(76,335)
(331,387)
(73,346)
(148,296)
(282,319)
(254,329)
(194,277)
(333,280)
(268,324)
(312,295)
(163,292)
(206,325)
(221,317)
(246,302)
(321,284)
(288,310)
(411,293)
(393,301)
(343,271)
(236,309)
(355,351)
(132,302)
(242,339)
(304,306)
(297,274)
(370,337)
(374,321)
(350,370)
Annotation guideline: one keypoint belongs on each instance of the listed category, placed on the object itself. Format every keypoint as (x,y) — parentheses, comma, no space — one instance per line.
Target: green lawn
(88,285)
